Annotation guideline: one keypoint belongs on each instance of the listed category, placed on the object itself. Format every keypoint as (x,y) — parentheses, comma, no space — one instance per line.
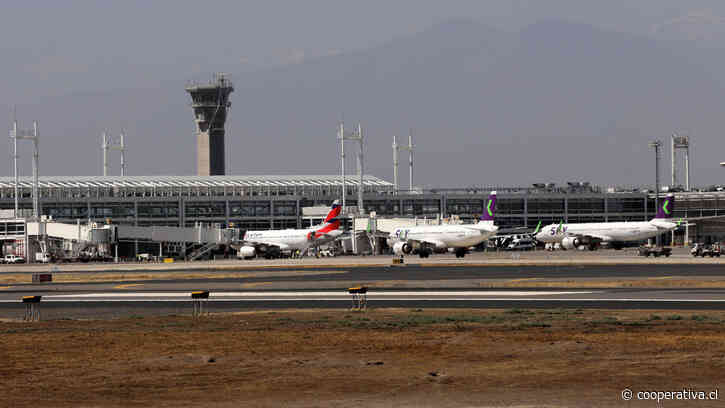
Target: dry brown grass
(431,358)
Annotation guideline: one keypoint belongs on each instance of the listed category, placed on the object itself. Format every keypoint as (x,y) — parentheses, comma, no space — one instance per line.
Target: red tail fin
(334,225)
(334,211)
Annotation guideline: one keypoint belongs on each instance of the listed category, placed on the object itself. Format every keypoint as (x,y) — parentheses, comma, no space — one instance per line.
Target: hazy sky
(58,47)
(53,49)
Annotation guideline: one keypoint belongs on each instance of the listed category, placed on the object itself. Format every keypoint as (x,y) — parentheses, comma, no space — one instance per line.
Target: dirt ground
(380,358)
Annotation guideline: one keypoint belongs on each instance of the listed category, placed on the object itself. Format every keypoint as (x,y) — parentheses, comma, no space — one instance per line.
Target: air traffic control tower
(210,103)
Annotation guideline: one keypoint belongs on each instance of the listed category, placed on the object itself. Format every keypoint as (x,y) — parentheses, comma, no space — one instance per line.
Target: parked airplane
(271,243)
(590,235)
(425,238)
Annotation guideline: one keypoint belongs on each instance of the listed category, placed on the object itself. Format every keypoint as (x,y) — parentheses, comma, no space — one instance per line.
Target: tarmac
(437,282)
(679,256)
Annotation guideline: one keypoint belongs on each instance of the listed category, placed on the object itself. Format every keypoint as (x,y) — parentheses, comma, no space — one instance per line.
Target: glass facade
(586,206)
(510,206)
(546,206)
(204,209)
(468,206)
(277,201)
(629,205)
(158,210)
(511,211)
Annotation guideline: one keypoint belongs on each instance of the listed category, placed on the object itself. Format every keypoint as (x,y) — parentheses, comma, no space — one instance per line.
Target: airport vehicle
(424,239)
(13,259)
(521,244)
(327,253)
(43,257)
(705,250)
(654,251)
(590,235)
(272,243)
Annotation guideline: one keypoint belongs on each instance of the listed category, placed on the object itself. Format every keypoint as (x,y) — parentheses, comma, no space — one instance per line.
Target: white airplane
(426,237)
(590,235)
(271,243)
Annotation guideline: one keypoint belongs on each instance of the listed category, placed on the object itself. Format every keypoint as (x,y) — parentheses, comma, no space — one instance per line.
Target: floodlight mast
(104,149)
(656,144)
(361,170)
(680,143)
(107,145)
(410,155)
(32,134)
(14,136)
(396,149)
(36,164)
(395,166)
(123,153)
(341,137)
(355,136)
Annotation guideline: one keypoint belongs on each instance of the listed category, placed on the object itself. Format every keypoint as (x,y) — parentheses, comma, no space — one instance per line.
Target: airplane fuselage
(290,239)
(444,236)
(613,231)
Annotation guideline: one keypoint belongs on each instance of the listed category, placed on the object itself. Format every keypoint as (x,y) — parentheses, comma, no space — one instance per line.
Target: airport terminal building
(277,202)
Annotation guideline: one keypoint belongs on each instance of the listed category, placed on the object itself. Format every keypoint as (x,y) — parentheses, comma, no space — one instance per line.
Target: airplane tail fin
(666,207)
(331,225)
(485,223)
(334,211)
(490,208)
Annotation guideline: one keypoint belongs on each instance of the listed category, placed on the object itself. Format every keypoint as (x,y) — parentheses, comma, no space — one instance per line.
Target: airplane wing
(428,242)
(599,237)
(258,244)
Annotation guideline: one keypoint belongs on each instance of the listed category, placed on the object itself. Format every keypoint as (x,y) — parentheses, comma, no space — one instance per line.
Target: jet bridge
(90,240)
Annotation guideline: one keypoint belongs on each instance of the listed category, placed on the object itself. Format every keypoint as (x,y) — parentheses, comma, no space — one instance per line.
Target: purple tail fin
(489,209)
(666,207)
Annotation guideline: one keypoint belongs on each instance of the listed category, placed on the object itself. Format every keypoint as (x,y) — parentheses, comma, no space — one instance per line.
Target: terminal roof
(192,181)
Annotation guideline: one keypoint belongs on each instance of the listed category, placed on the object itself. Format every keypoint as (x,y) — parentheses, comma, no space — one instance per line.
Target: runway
(411,286)
(108,304)
(436,272)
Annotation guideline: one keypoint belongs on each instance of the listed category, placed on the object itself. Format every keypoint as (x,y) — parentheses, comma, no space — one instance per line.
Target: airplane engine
(247,252)
(570,243)
(401,248)
(580,243)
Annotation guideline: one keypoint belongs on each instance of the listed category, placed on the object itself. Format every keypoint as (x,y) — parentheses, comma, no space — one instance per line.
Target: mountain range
(553,102)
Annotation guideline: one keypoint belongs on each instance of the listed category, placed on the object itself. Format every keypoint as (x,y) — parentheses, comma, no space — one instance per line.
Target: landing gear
(425,252)
(460,252)
(272,253)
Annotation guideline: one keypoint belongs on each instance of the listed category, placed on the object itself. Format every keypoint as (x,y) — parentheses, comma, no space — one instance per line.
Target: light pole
(32,135)
(355,136)
(656,144)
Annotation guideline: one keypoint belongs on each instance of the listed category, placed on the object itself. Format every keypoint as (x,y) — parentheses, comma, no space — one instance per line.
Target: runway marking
(523,279)
(128,285)
(661,278)
(391,299)
(303,295)
(255,284)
